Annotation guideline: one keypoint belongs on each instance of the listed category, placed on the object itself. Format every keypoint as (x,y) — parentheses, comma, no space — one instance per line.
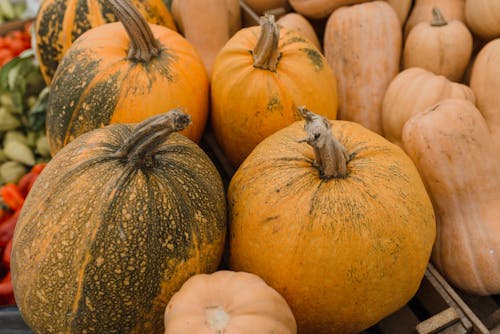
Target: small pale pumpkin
(454,152)
(118,220)
(341,227)
(59,22)
(482,17)
(124,72)
(228,302)
(412,91)
(439,46)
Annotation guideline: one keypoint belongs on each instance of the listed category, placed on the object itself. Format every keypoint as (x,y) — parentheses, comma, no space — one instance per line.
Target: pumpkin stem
(266,53)
(143,45)
(147,136)
(438,19)
(330,155)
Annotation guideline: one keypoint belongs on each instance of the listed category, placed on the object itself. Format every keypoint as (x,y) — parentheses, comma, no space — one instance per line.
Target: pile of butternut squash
(364,137)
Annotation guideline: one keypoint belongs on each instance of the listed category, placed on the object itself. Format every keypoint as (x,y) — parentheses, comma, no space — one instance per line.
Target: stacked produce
(364,136)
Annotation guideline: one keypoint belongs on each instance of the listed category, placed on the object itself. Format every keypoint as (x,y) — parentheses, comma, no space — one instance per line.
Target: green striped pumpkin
(116,223)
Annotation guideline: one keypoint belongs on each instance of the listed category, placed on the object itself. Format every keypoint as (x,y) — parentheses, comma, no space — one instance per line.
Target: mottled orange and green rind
(101,246)
(60,22)
(344,252)
(249,103)
(96,85)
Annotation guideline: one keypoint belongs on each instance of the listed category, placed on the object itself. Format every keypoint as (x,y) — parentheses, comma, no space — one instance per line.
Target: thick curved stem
(330,155)
(140,148)
(266,53)
(143,45)
(438,19)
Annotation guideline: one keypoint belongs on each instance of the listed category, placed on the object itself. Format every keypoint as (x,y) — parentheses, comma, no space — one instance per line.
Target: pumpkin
(482,18)
(402,9)
(318,9)
(260,7)
(486,86)
(362,43)
(460,167)
(439,46)
(119,219)
(301,24)
(228,302)
(412,91)
(341,227)
(259,78)
(207,25)
(59,22)
(140,71)
(422,12)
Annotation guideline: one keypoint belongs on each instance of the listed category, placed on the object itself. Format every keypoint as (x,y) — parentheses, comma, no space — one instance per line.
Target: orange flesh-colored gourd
(440,46)
(207,25)
(453,149)
(412,91)
(260,7)
(228,302)
(485,83)
(402,8)
(318,9)
(482,17)
(362,43)
(295,21)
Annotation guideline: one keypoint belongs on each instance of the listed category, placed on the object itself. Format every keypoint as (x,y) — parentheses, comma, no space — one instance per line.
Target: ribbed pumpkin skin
(96,84)
(362,43)
(332,247)
(249,103)
(101,246)
(459,164)
(60,22)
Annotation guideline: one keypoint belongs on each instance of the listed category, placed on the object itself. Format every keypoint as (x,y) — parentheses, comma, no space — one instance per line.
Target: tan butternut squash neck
(139,149)
(330,155)
(438,19)
(266,53)
(143,45)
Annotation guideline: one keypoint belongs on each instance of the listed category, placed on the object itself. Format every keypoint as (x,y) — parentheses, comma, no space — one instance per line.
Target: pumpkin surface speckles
(96,84)
(120,244)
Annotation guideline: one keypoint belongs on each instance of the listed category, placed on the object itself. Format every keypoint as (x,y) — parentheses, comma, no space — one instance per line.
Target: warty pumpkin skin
(332,246)
(59,22)
(422,12)
(259,78)
(103,80)
(114,225)
(207,25)
(451,146)
(485,84)
(412,91)
(440,46)
(482,18)
(362,43)
(228,302)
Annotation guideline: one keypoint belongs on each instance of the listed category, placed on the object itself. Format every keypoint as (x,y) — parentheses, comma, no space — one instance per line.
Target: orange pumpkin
(482,18)
(60,22)
(412,91)
(362,43)
(302,25)
(343,226)
(402,9)
(318,9)
(452,147)
(440,46)
(141,71)
(228,302)
(259,78)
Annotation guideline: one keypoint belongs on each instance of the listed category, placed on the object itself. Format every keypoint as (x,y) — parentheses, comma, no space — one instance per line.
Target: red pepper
(12,196)
(6,254)
(37,169)
(6,290)
(7,228)
(26,182)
